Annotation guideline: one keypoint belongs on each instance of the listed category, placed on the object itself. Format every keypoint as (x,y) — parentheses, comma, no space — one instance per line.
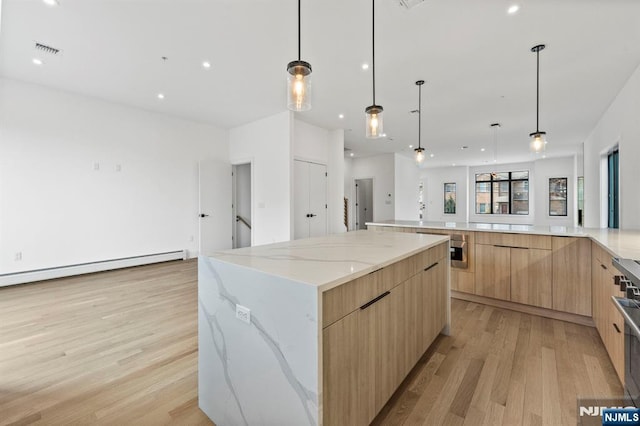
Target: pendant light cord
(373,46)
(537,90)
(419,115)
(299,30)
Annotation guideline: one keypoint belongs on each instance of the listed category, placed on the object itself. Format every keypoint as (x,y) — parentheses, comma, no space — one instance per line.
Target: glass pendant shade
(299,86)
(374,121)
(419,155)
(538,142)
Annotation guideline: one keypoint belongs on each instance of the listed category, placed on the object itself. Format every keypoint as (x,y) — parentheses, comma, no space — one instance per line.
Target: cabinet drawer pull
(377,270)
(371,302)
(496,245)
(602,266)
(432,266)
(616,327)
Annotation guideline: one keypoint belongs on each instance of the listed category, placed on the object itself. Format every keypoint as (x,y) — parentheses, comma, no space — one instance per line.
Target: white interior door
(215,206)
(309,199)
(317,200)
(300,199)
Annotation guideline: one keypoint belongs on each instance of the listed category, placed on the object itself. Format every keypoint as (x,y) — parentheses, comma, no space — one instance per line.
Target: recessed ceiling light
(544,156)
(410,146)
(482,149)
(365,66)
(513,9)
(432,155)
(341,116)
(37,61)
(495,161)
(160,96)
(384,135)
(51,2)
(206,65)
(351,154)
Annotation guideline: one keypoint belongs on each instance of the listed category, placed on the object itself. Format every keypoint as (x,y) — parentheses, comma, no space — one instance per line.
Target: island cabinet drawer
(346,298)
(514,240)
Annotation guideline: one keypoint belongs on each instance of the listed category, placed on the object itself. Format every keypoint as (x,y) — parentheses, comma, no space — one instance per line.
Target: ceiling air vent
(47,49)
(408,4)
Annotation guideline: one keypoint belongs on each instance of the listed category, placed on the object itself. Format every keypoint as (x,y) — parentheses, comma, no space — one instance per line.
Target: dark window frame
(510,181)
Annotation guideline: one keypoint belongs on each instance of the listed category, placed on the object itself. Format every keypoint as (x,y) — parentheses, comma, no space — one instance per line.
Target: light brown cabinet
(530,277)
(608,320)
(368,352)
(493,271)
(572,275)
(517,273)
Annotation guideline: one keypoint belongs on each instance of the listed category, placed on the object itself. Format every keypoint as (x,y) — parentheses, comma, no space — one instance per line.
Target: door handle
(203,215)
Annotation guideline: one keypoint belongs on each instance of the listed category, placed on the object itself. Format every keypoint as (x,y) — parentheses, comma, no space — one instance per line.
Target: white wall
(539,173)
(619,125)
(407,180)
(267,143)
(318,145)
(551,168)
(57,210)
(434,180)
(382,169)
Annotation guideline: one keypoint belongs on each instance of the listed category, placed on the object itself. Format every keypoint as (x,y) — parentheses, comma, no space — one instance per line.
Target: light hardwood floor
(117,347)
(501,367)
(120,348)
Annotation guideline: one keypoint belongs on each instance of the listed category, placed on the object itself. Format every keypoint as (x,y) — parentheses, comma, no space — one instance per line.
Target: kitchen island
(320,330)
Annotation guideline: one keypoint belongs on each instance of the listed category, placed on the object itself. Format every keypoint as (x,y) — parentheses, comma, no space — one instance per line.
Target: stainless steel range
(630,309)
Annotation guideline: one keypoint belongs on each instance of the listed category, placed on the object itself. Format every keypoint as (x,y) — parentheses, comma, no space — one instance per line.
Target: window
(502,193)
(450,198)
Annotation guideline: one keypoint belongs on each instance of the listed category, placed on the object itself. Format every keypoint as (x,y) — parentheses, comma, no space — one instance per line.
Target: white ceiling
(475,58)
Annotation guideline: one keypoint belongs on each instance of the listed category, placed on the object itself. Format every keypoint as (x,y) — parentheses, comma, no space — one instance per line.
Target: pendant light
(299,80)
(419,150)
(373,112)
(495,127)
(538,139)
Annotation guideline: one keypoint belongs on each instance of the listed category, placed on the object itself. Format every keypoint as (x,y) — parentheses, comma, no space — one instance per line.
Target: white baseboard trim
(89,267)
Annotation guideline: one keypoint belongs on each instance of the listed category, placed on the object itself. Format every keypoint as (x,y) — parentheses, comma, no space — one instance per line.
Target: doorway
(364,202)
(613,189)
(309,199)
(241,182)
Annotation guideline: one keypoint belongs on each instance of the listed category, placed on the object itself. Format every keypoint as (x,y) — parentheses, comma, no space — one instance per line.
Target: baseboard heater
(89,267)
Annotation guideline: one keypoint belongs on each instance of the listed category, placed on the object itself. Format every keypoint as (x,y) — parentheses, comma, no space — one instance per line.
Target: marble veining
(221,349)
(237,350)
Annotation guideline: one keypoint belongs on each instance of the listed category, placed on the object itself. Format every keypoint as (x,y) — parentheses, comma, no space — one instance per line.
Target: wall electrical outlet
(18,256)
(243,313)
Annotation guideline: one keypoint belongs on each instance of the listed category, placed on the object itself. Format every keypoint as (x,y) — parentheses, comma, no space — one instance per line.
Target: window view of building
(502,193)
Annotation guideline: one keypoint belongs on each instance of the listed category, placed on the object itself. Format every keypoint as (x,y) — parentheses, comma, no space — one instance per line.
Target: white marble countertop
(619,243)
(327,262)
